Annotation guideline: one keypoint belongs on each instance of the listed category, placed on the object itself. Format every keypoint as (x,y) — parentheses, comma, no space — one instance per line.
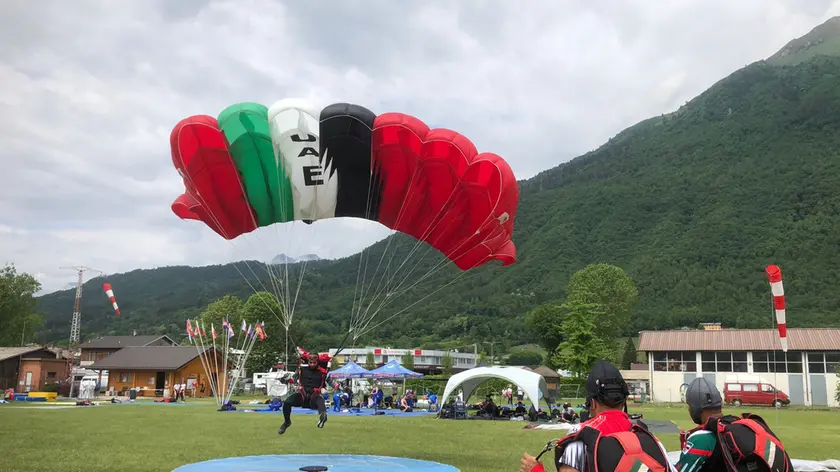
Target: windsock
(774,274)
(110,292)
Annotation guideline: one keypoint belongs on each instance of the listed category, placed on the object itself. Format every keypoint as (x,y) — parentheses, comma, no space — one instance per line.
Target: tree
(612,290)
(545,323)
(18,317)
(370,361)
(582,347)
(264,307)
(446,363)
(630,354)
(407,360)
(525,357)
(227,307)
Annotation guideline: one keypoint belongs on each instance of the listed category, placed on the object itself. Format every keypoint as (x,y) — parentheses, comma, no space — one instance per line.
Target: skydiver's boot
(322,420)
(284,427)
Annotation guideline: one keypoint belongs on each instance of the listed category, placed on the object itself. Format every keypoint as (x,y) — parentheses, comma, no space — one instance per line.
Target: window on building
(823,362)
(772,361)
(724,361)
(675,361)
(51,376)
(708,361)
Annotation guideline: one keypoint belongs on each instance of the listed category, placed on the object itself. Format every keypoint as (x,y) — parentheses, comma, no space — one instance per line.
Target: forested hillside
(692,205)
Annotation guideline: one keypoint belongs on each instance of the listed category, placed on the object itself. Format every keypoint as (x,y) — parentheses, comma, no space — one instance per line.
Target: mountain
(692,204)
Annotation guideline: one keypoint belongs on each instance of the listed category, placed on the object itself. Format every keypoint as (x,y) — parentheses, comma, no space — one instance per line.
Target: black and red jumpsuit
(311,381)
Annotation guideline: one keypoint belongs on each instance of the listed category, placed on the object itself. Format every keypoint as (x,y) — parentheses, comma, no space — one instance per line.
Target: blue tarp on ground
(353,412)
(332,462)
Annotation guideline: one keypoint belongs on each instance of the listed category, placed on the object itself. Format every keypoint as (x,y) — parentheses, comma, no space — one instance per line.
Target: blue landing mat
(362,412)
(332,462)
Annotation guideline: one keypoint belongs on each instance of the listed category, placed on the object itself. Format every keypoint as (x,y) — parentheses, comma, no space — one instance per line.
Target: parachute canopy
(255,166)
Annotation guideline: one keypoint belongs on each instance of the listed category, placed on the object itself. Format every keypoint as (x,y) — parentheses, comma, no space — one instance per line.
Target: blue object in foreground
(332,462)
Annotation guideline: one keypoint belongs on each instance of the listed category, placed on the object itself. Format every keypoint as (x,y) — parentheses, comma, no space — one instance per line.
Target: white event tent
(532,383)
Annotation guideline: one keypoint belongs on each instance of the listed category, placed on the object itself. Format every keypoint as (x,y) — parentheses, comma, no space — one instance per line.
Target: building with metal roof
(31,368)
(807,372)
(154,370)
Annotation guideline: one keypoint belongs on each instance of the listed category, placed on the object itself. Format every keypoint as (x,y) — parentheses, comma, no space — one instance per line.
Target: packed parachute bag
(627,451)
(749,445)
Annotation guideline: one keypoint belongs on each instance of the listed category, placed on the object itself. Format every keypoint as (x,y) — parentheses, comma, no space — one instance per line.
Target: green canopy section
(245,126)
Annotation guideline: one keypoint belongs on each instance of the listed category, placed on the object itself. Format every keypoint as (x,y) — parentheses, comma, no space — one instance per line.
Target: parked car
(753,392)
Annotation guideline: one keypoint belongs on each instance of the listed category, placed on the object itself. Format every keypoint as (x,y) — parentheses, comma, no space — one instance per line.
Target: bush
(51,387)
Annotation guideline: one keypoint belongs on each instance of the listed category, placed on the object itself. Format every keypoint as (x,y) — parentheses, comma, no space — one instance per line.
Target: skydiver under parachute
(256,166)
(311,381)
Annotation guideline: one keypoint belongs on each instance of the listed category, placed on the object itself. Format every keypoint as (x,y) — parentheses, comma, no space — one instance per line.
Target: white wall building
(425,360)
(807,372)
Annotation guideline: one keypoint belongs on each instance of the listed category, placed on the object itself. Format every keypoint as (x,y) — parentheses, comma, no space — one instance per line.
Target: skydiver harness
(748,444)
(623,451)
(302,389)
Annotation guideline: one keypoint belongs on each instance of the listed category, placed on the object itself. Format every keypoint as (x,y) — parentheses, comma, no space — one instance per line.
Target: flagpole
(227,347)
(206,361)
(215,354)
(233,378)
(198,350)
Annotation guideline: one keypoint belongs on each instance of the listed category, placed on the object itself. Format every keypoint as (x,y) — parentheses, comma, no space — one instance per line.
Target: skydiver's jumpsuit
(311,382)
(701,453)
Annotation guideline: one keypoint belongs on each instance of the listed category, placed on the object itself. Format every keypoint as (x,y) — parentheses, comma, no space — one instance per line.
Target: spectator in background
(433,399)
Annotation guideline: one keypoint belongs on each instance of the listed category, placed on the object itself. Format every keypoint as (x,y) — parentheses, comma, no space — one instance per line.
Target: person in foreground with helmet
(701,451)
(724,442)
(609,436)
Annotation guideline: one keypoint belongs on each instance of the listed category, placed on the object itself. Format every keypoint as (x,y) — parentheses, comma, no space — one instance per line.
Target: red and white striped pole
(110,292)
(774,274)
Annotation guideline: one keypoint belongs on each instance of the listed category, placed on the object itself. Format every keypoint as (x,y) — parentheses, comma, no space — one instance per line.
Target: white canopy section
(532,383)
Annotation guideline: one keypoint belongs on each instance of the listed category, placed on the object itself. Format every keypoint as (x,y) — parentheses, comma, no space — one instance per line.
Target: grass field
(148,437)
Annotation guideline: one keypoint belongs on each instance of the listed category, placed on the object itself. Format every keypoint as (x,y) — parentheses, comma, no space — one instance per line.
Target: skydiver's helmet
(702,395)
(606,385)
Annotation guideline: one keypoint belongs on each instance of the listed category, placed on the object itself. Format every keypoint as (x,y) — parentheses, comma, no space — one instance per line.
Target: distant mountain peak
(285,259)
(822,40)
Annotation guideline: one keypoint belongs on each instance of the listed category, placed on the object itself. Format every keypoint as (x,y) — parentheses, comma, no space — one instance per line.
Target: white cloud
(91,90)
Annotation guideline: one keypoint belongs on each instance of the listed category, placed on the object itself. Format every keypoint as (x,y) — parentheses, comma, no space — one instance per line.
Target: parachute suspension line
(366,328)
(227,237)
(382,282)
(394,293)
(364,255)
(437,267)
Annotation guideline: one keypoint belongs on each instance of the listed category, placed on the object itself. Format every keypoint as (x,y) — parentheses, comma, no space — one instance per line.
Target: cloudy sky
(90,90)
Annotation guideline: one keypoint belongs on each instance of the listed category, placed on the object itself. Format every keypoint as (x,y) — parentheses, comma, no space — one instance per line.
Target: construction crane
(76,323)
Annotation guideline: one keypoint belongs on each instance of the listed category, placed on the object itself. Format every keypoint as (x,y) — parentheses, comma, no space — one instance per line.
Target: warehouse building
(808,372)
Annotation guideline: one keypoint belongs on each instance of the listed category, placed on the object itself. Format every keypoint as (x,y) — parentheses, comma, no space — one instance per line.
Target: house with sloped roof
(154,370)
(97,349)
(748,359)
(31,368)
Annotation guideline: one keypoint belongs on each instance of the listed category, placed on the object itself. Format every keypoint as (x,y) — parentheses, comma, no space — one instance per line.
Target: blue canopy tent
(394,370)
(351,370)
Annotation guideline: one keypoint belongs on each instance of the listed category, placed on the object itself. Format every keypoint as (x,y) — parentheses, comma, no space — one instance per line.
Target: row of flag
(257,330)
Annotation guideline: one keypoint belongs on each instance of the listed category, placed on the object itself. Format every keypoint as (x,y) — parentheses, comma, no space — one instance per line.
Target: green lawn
(161,437)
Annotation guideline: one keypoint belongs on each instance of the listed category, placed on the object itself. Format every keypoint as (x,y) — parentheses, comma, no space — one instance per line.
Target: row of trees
(19,320)
(588,324)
